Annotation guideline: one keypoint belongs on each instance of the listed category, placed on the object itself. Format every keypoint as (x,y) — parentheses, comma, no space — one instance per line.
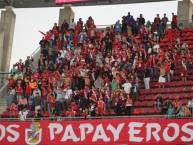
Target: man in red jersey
(100,106)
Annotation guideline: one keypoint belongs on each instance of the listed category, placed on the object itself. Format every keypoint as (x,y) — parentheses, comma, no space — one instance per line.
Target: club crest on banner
(33,135)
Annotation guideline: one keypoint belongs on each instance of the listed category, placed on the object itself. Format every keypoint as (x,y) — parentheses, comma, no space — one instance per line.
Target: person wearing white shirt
(63,52)
(127,87)
(156,47)
(67,97)
(72,25)
(184,46)
(23,114)
(190,105)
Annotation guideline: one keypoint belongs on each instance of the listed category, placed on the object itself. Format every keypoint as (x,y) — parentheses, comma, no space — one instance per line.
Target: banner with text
(122,131)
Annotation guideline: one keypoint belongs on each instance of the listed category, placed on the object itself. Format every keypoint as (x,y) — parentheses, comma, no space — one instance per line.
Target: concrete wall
(7,26)
(66,14)
(185,11)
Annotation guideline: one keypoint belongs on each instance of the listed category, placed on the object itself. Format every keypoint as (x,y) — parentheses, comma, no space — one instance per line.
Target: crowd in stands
(83,71)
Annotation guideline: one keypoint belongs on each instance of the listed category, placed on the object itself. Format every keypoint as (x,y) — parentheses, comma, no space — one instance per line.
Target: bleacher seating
(144,105)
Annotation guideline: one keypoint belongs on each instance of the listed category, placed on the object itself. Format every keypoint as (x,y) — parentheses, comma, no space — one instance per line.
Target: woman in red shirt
(100,106)
(19,92)
(13,109)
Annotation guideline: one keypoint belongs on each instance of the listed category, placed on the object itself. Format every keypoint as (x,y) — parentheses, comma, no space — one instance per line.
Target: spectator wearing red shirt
(20,66)
(36,75)
(70,113)
(19,92)
(157,20)
(169,34)
(74,106)
(175,22)
(13,109)
(11,82)
(28,91)
(100,106)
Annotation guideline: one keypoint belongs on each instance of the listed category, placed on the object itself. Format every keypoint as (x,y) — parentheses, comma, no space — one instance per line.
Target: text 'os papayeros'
(97,132)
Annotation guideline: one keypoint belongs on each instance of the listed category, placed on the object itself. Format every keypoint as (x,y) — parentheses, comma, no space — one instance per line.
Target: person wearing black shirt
(64,26)
(43,43)
(166,105)
(141,20)
(146,77)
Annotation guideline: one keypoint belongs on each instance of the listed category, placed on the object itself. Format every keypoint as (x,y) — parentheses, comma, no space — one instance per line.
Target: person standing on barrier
(165,21)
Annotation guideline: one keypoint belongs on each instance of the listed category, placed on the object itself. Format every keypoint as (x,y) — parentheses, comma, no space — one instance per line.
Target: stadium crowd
(83,71)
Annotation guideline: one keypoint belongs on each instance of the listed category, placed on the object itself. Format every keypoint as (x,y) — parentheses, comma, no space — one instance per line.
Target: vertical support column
(66,14)
(185,11)
(7,26)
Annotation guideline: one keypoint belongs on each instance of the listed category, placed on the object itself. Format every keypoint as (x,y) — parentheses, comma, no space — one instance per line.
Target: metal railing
(4,83)
(151,117)
(186,23)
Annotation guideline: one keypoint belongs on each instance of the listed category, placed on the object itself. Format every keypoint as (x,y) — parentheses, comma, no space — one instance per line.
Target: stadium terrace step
(3,104)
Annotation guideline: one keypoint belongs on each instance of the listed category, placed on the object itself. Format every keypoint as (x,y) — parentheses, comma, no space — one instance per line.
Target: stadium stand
(130,68)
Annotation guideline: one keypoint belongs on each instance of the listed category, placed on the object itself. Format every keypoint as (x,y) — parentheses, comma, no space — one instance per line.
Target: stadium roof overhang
(51,3)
